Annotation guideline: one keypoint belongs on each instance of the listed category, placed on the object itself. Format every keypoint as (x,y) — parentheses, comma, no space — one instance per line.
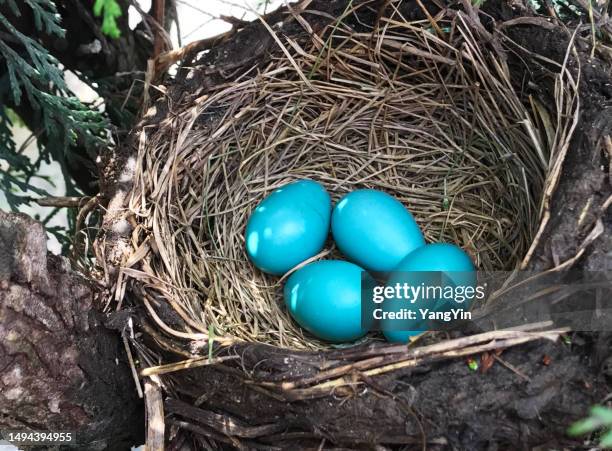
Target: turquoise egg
(400,336)
(374,230)
(433,265)
(324,298)
(288,227)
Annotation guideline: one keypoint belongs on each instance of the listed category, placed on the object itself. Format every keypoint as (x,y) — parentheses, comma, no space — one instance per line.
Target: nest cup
(429,118)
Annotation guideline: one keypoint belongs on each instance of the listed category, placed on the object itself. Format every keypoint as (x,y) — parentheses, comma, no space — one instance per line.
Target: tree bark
(60,368)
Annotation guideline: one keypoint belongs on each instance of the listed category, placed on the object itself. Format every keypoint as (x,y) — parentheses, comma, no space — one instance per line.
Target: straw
(431,119)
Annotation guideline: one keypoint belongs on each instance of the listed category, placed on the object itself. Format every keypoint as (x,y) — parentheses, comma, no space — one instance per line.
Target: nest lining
(430,119)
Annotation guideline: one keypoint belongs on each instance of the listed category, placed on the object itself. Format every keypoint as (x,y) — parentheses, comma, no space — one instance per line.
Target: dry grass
(427,114)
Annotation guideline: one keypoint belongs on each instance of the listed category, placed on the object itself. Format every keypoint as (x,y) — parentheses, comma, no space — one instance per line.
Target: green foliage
(33,72)
(10,180)
(46,17)
(43,81)
(32,75)
(7,145)
(15,179)
(13,118)
(16,170)
(110,11)
(600,419)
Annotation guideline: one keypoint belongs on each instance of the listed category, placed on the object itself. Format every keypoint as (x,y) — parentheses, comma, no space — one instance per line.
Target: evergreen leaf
(34,73)
(110,11)
(46,17)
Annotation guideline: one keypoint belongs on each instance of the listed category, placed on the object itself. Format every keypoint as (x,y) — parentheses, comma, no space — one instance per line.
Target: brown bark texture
(61,369)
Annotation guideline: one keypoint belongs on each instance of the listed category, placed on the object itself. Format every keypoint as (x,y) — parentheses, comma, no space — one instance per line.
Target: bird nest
(426,111)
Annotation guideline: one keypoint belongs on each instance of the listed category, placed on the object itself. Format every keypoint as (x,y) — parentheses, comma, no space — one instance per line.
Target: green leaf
(33,72)
(600,418)
(583,427)
(110,11)
(46,17)
(602,414)
(606,440)
(13,117)
(13,6)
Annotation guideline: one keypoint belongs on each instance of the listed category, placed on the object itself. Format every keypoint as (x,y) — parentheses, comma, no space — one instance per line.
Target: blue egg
(374,230)
(324,298)
(433,265)
(443,257)
(288,227)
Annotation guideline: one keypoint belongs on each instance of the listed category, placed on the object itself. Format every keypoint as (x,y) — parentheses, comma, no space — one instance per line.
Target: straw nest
(425,113)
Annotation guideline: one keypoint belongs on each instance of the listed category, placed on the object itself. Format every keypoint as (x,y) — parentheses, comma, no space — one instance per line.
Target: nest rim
(170,285)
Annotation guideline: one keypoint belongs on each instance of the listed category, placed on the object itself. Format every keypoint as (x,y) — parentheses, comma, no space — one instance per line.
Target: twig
(62,201)
(185,364)
(512,368)
(128,352)
(411,357)
(431,20)
(224,424)
(324,388)
(608,146)
(538,21)
(159,9)
(155,415)
(84,211)
(166,59)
